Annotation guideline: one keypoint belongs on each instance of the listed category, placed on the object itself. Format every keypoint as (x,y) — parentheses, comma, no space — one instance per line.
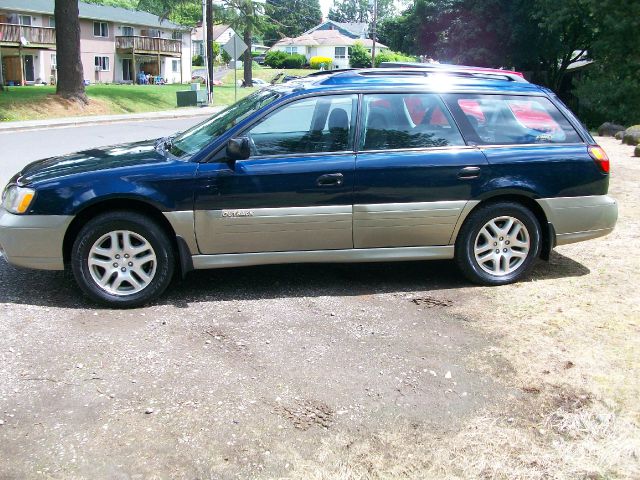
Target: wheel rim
(122,263)
(502,246)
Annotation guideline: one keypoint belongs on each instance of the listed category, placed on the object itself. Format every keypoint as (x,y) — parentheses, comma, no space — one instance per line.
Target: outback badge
(237,213)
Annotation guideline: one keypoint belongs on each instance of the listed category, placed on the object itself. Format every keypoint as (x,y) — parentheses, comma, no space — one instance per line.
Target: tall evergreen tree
(290,18)
(70,73)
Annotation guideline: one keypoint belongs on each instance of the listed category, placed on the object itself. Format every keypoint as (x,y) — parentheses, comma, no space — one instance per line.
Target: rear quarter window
(511,120)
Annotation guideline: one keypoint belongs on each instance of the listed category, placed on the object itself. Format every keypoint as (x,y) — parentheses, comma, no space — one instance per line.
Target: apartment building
(116,44)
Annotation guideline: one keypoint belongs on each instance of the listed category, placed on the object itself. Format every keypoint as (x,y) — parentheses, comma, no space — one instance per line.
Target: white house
(221,35)
(329,39)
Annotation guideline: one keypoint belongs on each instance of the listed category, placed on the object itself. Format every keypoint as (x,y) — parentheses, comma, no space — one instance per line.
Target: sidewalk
(98,119)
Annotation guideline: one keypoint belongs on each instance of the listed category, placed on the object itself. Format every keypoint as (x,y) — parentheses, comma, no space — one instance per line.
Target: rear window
(502,119)
(395,121)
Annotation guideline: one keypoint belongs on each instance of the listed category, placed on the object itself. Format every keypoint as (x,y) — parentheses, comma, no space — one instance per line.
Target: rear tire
(122,259)
(498,243)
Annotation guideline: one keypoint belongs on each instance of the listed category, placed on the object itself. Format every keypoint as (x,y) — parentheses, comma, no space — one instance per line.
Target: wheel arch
(127,204)
(525,199)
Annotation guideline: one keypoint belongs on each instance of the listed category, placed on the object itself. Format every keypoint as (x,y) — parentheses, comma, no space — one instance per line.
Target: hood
(94,160)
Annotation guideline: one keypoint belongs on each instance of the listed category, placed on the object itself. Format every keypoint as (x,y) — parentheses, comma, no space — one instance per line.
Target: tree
(290,18)
(360,11)
(248,17)
(359,57)
(610,88)
(70,73)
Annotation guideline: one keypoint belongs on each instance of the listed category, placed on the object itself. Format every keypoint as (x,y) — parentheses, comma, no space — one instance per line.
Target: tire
(507,237)
(122,259)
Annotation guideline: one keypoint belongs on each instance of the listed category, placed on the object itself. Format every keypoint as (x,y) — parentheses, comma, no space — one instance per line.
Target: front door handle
(469,173)
(330,180)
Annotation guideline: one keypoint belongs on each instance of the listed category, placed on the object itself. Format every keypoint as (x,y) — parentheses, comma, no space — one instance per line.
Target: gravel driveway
(303,371)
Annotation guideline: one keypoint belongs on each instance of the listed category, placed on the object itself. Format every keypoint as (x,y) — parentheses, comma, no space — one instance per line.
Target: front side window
(193,140)
(127,31)
(100,29)
(175,66)
(25,20)
(102,64)
(341,52)
(312,125)
(52,22)
(407,120)
(291,50)
(176,35)
(512,120)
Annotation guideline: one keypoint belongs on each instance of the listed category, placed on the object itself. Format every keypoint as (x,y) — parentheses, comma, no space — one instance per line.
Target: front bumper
(576,219)
(33,241)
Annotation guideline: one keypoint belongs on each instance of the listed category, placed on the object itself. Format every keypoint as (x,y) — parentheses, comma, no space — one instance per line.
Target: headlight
(17,199)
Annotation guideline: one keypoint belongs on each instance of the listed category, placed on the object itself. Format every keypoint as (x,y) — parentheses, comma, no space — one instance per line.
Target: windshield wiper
(164,143)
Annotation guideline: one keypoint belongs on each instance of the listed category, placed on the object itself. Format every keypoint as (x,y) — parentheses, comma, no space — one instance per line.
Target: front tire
(122,259)
(498,243)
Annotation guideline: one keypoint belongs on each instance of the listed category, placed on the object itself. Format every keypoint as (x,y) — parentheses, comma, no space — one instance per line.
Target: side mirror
(238,149)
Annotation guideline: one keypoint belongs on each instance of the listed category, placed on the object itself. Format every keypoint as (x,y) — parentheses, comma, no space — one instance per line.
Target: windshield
(191,141)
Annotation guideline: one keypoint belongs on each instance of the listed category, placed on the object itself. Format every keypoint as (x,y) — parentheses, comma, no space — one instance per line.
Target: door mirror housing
(238,149)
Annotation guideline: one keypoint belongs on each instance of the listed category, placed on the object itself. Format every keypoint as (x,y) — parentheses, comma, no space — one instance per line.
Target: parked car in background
(353,166)
(260,58)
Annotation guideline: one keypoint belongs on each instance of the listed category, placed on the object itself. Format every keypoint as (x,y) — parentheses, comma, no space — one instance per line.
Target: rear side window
(504,119)
(398,121)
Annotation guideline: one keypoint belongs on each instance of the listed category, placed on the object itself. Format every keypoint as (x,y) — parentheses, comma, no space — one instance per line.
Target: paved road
(20,148)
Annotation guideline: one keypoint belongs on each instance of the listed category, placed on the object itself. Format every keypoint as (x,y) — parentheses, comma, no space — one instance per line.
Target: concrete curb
(6,127)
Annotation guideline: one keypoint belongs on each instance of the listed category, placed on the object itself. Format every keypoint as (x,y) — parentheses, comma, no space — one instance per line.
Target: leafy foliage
(360,10)
(390,56)
(359,57)
(275,59)
(290,18)
(317,62)
(294,60)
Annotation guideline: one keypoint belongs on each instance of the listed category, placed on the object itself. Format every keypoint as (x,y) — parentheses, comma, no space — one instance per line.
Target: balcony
(29,37)
(149,46)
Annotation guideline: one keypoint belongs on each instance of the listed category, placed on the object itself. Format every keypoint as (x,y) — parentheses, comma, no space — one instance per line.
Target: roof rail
(511,75)
(417,72)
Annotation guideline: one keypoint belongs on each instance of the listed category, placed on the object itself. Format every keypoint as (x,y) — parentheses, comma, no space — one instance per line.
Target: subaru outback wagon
(355,166)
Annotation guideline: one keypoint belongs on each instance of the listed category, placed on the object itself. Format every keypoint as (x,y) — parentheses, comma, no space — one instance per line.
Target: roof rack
(511,75)
(416,72)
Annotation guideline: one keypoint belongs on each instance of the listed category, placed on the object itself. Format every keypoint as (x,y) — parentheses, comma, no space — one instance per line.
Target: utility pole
(373,33)
(205,42)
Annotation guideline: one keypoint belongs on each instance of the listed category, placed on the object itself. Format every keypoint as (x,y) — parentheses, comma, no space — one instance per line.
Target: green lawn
(32,103)
(36,103)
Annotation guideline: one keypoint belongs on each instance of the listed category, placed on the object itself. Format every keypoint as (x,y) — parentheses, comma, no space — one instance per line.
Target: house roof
(356,30)
(325,37)
(217,31)
(93,12)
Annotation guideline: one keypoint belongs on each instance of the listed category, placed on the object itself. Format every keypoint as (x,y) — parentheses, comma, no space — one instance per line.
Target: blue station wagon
(353,166)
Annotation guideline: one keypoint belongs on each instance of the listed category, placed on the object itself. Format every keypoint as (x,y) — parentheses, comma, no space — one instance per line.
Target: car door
(294,192)
(414,172)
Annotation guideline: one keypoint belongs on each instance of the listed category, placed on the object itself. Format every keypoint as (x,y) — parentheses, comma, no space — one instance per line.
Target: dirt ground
(335,371)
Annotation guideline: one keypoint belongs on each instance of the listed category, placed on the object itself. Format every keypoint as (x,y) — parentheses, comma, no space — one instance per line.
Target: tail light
(600,157)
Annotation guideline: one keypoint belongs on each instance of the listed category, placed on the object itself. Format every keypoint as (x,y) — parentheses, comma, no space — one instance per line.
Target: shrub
(359,57)
(197,60)
(390,56)
(275,59)
(295,60)
(317,62)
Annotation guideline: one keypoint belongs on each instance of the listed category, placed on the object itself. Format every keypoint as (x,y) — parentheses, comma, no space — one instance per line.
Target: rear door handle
(330,180)
(469,173)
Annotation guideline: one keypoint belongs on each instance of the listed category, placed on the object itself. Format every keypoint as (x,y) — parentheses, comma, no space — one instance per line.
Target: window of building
(52,22)
(102,64)
(410,120)
(291,50)
(127,31)
(341,52)
(54,61)
(510,119)
(152,32)
(321,124)
(175,66)
(100,29)
(176,35)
